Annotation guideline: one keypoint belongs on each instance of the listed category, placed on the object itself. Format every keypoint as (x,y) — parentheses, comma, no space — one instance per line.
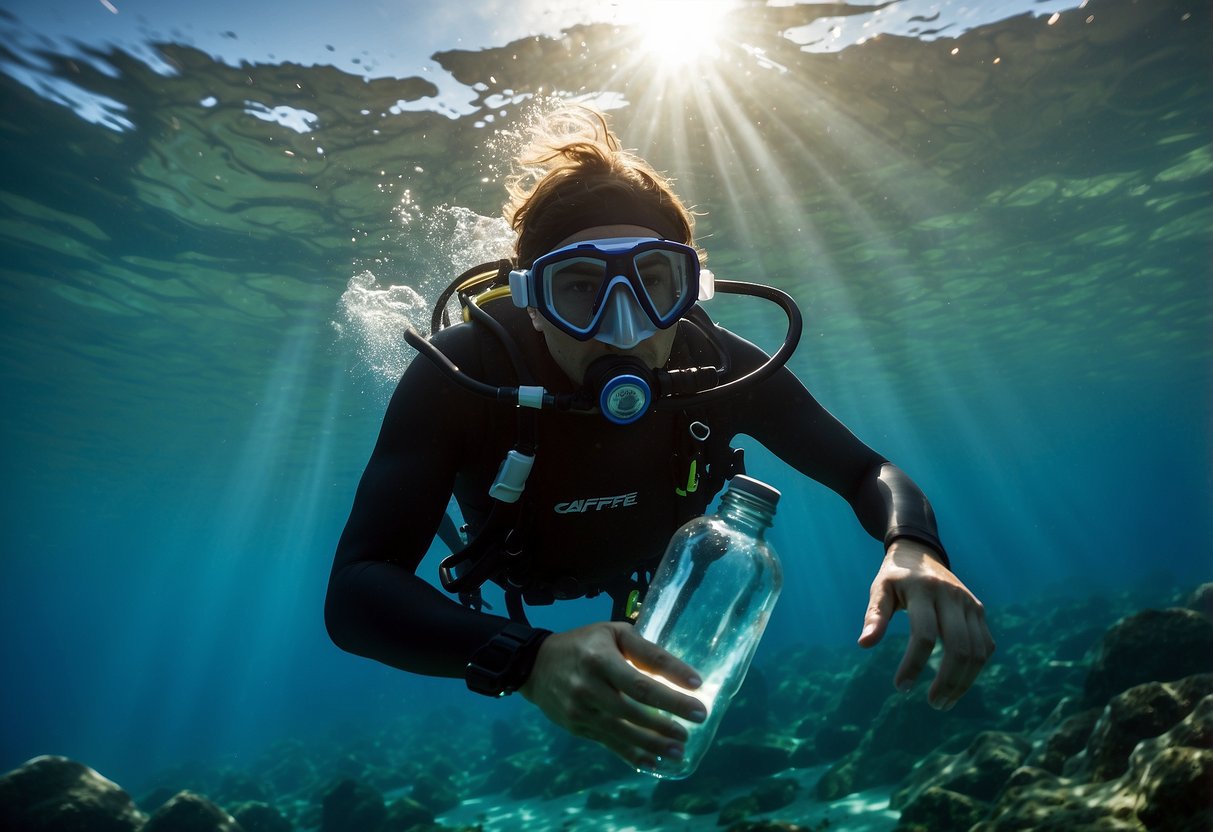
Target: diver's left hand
(940,608)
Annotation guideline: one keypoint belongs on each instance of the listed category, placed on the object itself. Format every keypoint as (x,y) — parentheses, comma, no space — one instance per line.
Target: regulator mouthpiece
(622,386)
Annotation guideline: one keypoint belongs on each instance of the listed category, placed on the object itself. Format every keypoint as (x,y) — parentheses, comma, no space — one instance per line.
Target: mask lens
(663,275)
(572,287)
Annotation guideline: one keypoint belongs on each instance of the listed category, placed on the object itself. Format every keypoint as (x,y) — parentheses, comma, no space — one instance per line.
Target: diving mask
(619,290)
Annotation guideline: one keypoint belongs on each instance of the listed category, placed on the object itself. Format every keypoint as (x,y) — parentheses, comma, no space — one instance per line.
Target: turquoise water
(997,224)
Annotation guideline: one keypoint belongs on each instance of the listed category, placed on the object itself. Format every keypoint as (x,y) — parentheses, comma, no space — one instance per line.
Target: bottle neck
(748,512)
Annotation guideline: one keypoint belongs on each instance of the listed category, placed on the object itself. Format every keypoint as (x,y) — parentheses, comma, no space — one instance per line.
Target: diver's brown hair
(575,174)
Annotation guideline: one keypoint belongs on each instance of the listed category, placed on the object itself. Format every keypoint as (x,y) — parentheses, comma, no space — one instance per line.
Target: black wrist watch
(502,665)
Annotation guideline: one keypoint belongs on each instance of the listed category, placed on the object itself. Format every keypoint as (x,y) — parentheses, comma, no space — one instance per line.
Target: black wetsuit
(600,501)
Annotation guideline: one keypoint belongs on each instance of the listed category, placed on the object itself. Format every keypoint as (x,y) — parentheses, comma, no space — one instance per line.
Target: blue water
(1017,316)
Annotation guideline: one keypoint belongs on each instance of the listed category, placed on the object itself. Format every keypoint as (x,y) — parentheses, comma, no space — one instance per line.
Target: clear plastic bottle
(709,603)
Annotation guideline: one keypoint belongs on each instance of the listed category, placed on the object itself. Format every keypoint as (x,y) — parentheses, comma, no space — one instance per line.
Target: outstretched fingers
(956,669)
(967,647)
(924,632)
(957,620)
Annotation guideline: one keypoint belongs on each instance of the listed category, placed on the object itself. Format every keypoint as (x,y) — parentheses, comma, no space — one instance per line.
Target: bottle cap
(755,488)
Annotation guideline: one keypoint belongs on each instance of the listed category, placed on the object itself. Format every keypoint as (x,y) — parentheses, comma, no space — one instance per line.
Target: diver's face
(575,356)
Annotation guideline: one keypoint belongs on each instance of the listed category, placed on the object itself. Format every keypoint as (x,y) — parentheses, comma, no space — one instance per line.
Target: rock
(830,743)
(438,794)
(1174,774)
(406,813)
(1037,801)
(1065,741)
(1201,600)
(1139,713)
(939,809)
(597,801)
(582,775)
(737,810)
(351,806)
(1178,790)
(549,772)
(667,792)
(695,804)
(287,767)
(906,730)
(255,816)
(239,787)
(630,798)
(869,686)
(747,757)
(156,798)
(189,812)
(1168,787)
(503,775)
(750,710)
(55,794)
(1150,646)
(979,772)
(775,793)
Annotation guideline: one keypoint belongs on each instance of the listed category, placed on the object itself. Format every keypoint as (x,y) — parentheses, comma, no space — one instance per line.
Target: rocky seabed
(1076,725)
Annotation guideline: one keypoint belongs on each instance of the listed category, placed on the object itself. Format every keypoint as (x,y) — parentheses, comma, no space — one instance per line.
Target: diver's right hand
(582,681)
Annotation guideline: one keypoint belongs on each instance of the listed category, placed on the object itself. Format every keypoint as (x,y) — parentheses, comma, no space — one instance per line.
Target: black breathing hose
(672,400)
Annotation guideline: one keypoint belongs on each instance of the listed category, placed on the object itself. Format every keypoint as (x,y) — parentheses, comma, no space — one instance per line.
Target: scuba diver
(579,415)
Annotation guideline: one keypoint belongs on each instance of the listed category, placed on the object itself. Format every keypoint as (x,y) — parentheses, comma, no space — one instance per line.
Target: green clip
(692,480)
(631,610)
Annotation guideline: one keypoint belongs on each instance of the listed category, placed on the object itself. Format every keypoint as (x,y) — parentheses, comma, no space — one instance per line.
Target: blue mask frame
(622,312)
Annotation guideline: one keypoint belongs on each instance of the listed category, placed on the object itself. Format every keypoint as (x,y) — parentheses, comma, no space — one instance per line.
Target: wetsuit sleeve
(782,415)
(376,606)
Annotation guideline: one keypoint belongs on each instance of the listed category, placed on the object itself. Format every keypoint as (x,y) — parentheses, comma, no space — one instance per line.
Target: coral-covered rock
(1174,774)
(1151,646)
(1168,787)
(58,795)
(1139,713)
(1064,741)
(937,809)
(1040,802)
(189,812)
(55,794)
(979,772)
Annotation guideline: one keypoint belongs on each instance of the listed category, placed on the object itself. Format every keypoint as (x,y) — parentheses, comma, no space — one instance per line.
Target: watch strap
(504,662)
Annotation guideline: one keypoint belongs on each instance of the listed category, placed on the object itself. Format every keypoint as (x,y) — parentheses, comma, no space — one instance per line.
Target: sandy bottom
(861,812)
